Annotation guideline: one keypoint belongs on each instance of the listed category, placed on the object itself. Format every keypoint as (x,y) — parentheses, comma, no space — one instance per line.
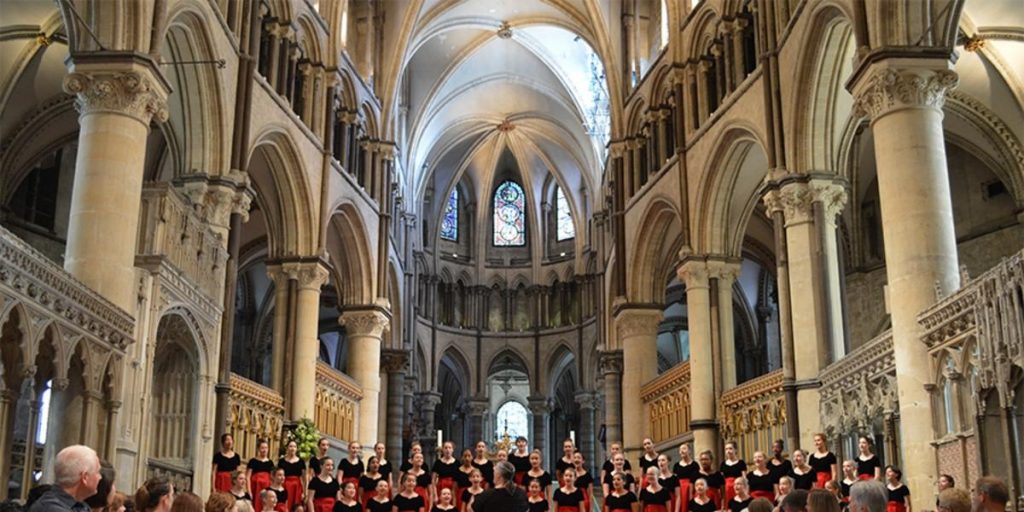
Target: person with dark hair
(899,494)
(383,464)
(868,466)
(795,501)
(564,463)
(584,480)
(294,470)
(481,462)
(10,506)
(946,482)
(409,500)
(535,498)
(105,489)
(759,505)
(314,462)
(323,489)
(732,467)
(118,502)
(779,464)
(259,469)
(713,480)
(568,497)
(76,477)
(224,462)
(369,480)
(155,495)
(186,501)
(990,495)
(279,490)
(349,499)
(220,502)
(538,473)
(701,501)
(822,461)
(505,496)
(686,470)
(239,489)
(520,459)
(446,469)
(821,500)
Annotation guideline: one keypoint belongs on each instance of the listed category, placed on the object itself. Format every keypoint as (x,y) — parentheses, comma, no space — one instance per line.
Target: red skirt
(655,508)
(684,494)
(567,509)
(222,482)
(716,497)
(520,475)
(323,504)
(445,483)
(293,485)
(730,489)
(894,506)
(768,495)
(425,494)
(822,477)
(586,500)
(258,482)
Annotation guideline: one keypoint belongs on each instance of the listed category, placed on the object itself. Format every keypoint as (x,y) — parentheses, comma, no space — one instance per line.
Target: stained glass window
(512,418)
(450,221)
(566,229)
(509,215)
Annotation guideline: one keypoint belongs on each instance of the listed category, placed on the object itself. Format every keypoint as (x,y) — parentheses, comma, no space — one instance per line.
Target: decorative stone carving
(637,322)
(505,30)
(694,273)
(131,93)
(309,276)
(611,362)
(365,322)
(889,90)
(796,200)
(394,361)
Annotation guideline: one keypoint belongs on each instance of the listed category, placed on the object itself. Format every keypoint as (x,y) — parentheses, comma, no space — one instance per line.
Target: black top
(314,464)
(259,466)
(296,468)
(522,464)
(462,478)
(583,481)
(764,483)
(737,505)
(378,506)
(780,470)
(487,470)
(662,497)
(424,479)
(501,500)
(544,479)
(466,495)
(706,507)
(225,463)
(734,470)
(608,467)
(385,470)
(539,506)
(670,483)
(244,496)
(844,487)
(351,469)
(56,500)
(572,499)
(899,494)
(822,464)
(688,471)
(867,467)
(408,504)
(339,507)
(715,480)
(805,481)
(446,470)
(562,465)
(323,489)
(367,484)
(437,508)
(406,466)
(628,478)
(645,463)
(624,502)
(282,494)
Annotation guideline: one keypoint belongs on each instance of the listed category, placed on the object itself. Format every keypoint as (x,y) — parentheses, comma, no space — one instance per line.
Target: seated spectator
(76,477)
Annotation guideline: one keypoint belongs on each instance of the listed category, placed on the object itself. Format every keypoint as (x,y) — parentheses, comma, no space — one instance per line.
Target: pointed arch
(350,252)
(282,193)
(655,252)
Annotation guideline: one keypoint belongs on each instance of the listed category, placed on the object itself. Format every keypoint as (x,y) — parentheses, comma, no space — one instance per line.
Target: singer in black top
(688,471)
(738,505)
(544,479)
(341,507)
(804,481)
(761,484)
(487,470)
(539,506)
(624,503)
(403,504)
(662,497)
(821,467)
(701,507)
(572,499)
(378,506)
(626,477)
(351,470)
(522,465)
(866,468)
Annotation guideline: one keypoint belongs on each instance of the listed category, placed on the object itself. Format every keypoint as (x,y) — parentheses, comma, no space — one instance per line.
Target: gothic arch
(283,194)
(656,248)
(349,249)
(509,358)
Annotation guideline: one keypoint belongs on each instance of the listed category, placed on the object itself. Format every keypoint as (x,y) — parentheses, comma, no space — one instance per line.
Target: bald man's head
(77,471)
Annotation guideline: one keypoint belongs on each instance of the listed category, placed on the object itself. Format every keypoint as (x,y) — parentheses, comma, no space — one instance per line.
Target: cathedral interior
(599,220)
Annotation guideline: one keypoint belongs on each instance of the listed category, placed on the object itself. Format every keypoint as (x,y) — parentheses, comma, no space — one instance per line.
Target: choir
(450,484)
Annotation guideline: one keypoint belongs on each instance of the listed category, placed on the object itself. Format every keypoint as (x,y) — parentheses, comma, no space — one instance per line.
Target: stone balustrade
(255,412)
(337,403)
(753,414)
(666,399)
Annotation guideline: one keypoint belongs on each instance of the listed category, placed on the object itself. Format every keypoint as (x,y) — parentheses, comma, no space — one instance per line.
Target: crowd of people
(516,481)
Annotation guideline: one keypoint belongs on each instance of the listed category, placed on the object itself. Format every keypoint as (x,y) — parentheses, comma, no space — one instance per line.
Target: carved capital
(539,406)
(724,271)
(694,274)
(132,93)
(393,361)
(797,200)
(889,89)
(618,148)
(477,407)
(365,322)
(309,276)
(611,362)
(586,400)
(637,322)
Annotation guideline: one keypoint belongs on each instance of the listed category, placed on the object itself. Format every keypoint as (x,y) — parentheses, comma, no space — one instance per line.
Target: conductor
(505,496)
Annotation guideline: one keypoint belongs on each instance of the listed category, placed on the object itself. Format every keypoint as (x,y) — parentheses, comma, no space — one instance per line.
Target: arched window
(514,419)
(450,221)
(509,215)
(566,229)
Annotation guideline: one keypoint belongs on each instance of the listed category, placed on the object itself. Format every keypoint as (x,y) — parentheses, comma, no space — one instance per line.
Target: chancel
(346,255)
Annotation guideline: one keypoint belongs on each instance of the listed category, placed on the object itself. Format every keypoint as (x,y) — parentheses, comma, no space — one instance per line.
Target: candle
(440,436)
(572,436)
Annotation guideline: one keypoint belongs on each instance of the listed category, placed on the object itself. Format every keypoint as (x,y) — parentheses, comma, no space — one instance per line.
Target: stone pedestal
(363,331)
(116,95)
(611,372)
(702,380)
(904,99)
(394,363)
(637,331)
(308,277)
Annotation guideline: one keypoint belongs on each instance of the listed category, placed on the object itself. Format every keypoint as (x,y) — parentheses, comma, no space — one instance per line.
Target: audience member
(954,500)
(220,502)
(76,477)
(868,496)
(105,490)
(990,495)
(795,501)
(822,500)
(156,495)
(187,502)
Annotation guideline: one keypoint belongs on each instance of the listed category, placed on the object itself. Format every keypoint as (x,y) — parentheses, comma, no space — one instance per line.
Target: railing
(337,402)
(170,230)
(667,400)
(859,388)
(256,412)
(753,414)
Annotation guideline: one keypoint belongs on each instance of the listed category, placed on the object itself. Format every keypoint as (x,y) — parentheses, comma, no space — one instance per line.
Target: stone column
(703,422)
(116,97)
(586,433)
(280,344)
(394,362)
(725,273)
(904,99)
(611,370)
(364,329)
(8,405)
(637,331)
(540,408)
(810,206)
(308,277)
(478,409)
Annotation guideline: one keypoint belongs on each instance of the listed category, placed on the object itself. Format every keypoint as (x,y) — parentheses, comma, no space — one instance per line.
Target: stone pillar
(394,362)
(308,277)
(281,317)
(364,329)
(810,206)
(586,433)
(478,409)
(540,408)
(8,405)
(904,99)
(116,97)
(725,273)
(637,332)
(703,422)
(611,370)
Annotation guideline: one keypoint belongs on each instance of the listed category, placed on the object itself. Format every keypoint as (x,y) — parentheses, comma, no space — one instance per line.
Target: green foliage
(306,436)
